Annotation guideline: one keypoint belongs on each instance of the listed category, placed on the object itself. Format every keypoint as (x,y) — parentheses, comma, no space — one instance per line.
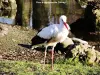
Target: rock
(67,42)
(5,1)
(8,4)
(79,40)
(63,47)
(13,4)
(86,53)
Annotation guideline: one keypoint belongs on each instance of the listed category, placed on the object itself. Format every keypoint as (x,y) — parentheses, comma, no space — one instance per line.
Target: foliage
(30,68)
(9,48)
(98,26)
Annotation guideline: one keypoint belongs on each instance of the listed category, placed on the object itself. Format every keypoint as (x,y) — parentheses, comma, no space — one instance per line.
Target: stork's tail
(37,40)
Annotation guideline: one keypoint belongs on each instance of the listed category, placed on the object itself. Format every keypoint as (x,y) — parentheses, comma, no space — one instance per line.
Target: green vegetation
(31,68)
(19,60)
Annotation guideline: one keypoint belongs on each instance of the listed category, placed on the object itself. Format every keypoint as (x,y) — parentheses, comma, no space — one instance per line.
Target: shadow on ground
(25,46)
(29,47)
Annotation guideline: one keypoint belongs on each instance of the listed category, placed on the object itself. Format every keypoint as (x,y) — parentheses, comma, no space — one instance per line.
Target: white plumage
(53,34)
(57,31)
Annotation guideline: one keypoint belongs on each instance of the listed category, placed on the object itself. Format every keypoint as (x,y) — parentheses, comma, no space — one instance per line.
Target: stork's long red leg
(52,57)
(45,54)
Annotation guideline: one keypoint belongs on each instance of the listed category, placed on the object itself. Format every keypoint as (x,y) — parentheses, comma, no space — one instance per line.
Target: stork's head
(63,20)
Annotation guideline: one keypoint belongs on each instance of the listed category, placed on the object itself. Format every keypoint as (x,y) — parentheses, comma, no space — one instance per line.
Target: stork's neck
(62,26)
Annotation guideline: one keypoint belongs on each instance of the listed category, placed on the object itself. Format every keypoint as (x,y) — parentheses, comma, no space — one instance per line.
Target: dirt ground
(14,45)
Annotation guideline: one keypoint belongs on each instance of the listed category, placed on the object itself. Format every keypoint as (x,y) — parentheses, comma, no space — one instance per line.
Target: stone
(67,42)
(5,1)
(13,4)
(8,4)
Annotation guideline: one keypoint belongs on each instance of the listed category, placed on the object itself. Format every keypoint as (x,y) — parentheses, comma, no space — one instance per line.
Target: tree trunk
(40,17)
(23,12)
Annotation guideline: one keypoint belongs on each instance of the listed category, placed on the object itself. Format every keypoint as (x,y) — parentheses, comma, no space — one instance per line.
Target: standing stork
(52,34)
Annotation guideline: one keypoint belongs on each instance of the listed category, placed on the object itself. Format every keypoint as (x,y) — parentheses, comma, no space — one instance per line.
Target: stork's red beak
(65,25)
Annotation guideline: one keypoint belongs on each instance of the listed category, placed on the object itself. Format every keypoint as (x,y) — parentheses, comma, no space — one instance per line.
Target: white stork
(52,34)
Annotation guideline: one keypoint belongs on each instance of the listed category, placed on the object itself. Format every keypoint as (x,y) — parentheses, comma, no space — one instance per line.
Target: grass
(9,48)
(30,68)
